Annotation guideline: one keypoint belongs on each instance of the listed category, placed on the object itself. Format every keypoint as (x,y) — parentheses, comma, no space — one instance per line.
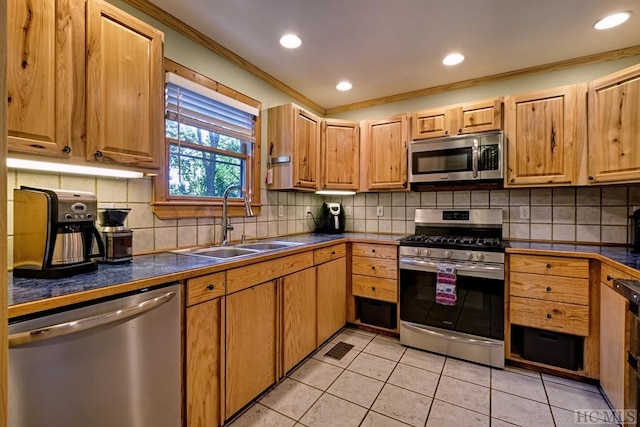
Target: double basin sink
(236,251)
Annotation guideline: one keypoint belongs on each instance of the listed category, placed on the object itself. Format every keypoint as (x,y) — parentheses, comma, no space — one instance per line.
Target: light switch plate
(348,210)
(524,212)
(280,211)
(380,211)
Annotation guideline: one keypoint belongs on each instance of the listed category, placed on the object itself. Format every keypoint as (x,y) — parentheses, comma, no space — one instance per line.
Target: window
(211,143)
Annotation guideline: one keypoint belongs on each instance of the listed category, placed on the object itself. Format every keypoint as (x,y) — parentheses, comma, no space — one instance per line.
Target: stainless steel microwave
(462,158)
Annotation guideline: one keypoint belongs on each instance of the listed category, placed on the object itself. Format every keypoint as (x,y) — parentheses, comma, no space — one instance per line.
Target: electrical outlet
(348,211)
(380,211)
(307,209)
(280,211)
(524,212)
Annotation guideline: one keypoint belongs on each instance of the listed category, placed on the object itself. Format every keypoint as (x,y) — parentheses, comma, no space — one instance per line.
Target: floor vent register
(339,350)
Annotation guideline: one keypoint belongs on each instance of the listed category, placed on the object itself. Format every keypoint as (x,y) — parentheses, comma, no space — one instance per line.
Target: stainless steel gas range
(467,243)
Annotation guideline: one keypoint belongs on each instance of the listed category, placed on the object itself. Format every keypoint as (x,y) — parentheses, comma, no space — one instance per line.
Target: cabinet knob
(549,266)
(512,180)
(548,288)
(66,149)
(549,316)
(97,154)
(211,286)
(373,267)
(460,131)
(373,251)
(608,278)
(373,288)
(590,178)
(446,132)
(333,252)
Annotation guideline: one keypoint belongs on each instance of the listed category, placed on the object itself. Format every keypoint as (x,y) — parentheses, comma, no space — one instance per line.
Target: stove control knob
(480,257)
(447,254)
(468,256)
(426,252)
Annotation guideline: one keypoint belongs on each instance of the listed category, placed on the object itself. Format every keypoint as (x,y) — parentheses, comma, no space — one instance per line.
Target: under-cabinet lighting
(72,169)
(336,192)
(612,20)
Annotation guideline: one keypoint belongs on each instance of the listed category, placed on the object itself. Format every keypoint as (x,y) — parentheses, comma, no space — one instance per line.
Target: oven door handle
(431,266)
(474,158)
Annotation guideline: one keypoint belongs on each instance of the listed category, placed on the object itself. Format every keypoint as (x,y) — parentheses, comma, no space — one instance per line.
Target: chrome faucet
(226,224)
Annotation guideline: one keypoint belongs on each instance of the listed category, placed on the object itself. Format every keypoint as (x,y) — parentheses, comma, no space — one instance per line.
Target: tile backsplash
(582,214)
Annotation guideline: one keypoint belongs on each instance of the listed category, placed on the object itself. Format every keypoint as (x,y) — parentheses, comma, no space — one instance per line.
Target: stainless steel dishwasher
(112,363)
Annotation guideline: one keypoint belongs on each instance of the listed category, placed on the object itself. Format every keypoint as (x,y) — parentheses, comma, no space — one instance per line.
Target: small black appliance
(635,221)
(331,218)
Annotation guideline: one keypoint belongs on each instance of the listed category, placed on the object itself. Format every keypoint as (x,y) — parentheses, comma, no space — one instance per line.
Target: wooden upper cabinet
(340,150)
(479,116)
(383,154)
(541,137)
(125,79)
(40,75)
(614,127)
(293,148)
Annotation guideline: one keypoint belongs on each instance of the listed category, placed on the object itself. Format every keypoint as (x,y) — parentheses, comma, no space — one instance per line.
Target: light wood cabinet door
(340,150)
(432,123)
(480,116)
(614,127)
(125,95)
(613,345)
(293,148)
(383,162)
(541,137)
(205,332)
(299,316)
(332,298)
(41,82)
(251,352)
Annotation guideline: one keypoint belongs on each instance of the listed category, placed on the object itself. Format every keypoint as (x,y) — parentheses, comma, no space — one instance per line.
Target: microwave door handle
(474,158)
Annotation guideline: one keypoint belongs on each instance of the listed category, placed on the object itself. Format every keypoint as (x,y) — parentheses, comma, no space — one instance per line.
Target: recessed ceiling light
(612,20)
(453,59)
(344,86)
(290,41)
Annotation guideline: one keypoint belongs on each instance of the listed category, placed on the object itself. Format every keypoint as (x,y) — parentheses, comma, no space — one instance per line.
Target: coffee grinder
(118,239)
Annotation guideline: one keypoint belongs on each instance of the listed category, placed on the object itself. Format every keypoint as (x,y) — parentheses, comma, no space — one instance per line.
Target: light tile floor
(381,383)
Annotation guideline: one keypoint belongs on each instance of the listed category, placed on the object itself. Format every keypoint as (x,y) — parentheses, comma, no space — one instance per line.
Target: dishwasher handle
(79,325)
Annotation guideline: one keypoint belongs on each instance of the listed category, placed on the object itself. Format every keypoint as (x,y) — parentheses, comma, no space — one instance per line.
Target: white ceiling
(389,47)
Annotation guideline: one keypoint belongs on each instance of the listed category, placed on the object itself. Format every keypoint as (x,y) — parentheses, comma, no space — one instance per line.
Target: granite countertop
(147,270)
(621,255)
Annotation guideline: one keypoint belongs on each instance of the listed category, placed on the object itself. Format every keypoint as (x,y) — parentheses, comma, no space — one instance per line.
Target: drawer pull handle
(549,316)
(373,267)
(548,288)
(373,251)
(373,288)
(333,252)
(549,265)
(211,286)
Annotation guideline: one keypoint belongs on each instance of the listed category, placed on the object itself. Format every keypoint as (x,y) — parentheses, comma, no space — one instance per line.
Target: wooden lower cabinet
(613,345)
(298,316)
(251,351)
(205,363)
(331,298)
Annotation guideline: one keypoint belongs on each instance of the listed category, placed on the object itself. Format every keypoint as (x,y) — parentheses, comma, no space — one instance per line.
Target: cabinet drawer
(606,271)
(329,253)
(260,272)
(374,287)
(557,266)
(384,268)
(375,251)
(205,288)
(553,316)
(571,290)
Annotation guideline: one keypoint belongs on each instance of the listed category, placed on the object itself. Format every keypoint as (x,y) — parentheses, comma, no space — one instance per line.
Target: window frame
(166,206)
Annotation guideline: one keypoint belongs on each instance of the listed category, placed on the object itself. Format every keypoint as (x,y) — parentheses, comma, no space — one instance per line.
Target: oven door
(479,309)
(456,159)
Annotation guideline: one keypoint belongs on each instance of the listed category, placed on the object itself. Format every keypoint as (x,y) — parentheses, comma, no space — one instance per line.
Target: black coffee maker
(635,222)
(332,218)
(54,231)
